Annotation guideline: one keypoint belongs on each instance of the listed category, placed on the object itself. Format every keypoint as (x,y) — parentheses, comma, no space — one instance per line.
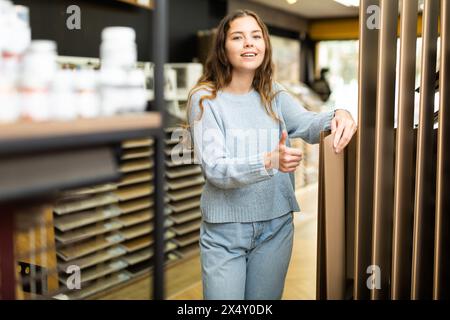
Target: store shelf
(136,217)
(184,184)
(135,165)
(183,171)
(186,193)
(181,230)
(135,177)
(38,136)
(81,234)
(135,191)
(187,239)
(136,153)
(94,241)
(185,205)
(87,247)
(137,143)
(135,205)
(83,218)
(89,191)
(86,203)
(176,184)
(137,231)
(186,216)
(96,258)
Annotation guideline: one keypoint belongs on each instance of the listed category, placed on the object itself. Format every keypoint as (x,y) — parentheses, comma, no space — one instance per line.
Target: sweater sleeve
(219,168)
(301,123)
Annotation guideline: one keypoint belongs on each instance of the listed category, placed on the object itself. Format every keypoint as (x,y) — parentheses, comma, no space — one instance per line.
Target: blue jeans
(246,260)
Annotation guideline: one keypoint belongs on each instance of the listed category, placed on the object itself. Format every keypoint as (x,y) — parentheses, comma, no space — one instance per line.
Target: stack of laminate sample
(106,230)
(184,186)
(134,192)
(87,237)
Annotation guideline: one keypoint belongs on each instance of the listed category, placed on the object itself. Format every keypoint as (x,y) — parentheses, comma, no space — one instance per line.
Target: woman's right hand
(283,158)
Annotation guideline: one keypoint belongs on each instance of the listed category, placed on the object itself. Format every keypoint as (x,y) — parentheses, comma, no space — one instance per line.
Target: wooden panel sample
(135,165)
(135,177)
(83,218)
(88,203)
(185,193)
(185,205)
(185,228)
(183,171)
(87,247)
(186,216)
(134,192)
(136,217)
(135,205)
(87,232)
(180,183)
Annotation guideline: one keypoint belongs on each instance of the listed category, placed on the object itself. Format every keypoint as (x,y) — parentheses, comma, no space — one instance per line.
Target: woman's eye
(257,37)
(236,38)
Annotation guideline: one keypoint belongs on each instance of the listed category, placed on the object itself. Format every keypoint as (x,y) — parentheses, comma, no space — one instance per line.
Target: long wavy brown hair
(218,70)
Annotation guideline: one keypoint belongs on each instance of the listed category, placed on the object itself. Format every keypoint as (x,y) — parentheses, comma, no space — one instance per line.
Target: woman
(240,120)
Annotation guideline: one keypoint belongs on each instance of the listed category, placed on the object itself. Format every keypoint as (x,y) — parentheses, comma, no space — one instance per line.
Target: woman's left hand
(344,127)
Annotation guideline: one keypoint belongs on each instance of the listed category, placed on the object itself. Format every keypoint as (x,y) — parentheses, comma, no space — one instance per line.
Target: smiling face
(245,45)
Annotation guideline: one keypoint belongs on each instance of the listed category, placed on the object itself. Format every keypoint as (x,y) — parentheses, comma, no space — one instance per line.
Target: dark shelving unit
(60,147)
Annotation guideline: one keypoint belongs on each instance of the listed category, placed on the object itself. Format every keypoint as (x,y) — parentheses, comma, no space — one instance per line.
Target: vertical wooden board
(441,286)
(334,220)
(321,292)
(424,212)
(383,197)
(404,158)
(368,64)
(350,202)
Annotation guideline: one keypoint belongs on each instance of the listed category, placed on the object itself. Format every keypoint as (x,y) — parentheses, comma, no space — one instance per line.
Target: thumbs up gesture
(283,158)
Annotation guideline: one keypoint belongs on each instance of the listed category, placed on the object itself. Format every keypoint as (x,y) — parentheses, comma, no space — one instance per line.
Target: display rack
(52,145)
(184,186)
(107,230)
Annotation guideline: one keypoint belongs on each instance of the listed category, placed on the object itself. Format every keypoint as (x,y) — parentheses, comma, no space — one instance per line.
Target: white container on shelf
(137,94)
(120,81)
(38,70)
(5,8)
(118,47)
(113,90)
(63,105)
(17,37)
(9,107)
(86,92)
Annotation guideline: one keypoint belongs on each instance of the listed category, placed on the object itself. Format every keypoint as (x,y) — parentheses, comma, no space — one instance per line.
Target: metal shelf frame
(41,140)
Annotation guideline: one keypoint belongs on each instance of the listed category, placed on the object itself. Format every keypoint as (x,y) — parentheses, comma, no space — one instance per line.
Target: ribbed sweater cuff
(329,116)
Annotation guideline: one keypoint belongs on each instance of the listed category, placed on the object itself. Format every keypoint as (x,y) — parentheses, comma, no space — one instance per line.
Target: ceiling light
(291,1)
(349,3)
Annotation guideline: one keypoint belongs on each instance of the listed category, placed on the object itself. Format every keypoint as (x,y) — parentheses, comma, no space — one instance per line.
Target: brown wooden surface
(37,231)
(36,130)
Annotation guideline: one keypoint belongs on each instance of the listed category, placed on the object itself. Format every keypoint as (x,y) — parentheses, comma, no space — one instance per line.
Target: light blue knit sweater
(230,140)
